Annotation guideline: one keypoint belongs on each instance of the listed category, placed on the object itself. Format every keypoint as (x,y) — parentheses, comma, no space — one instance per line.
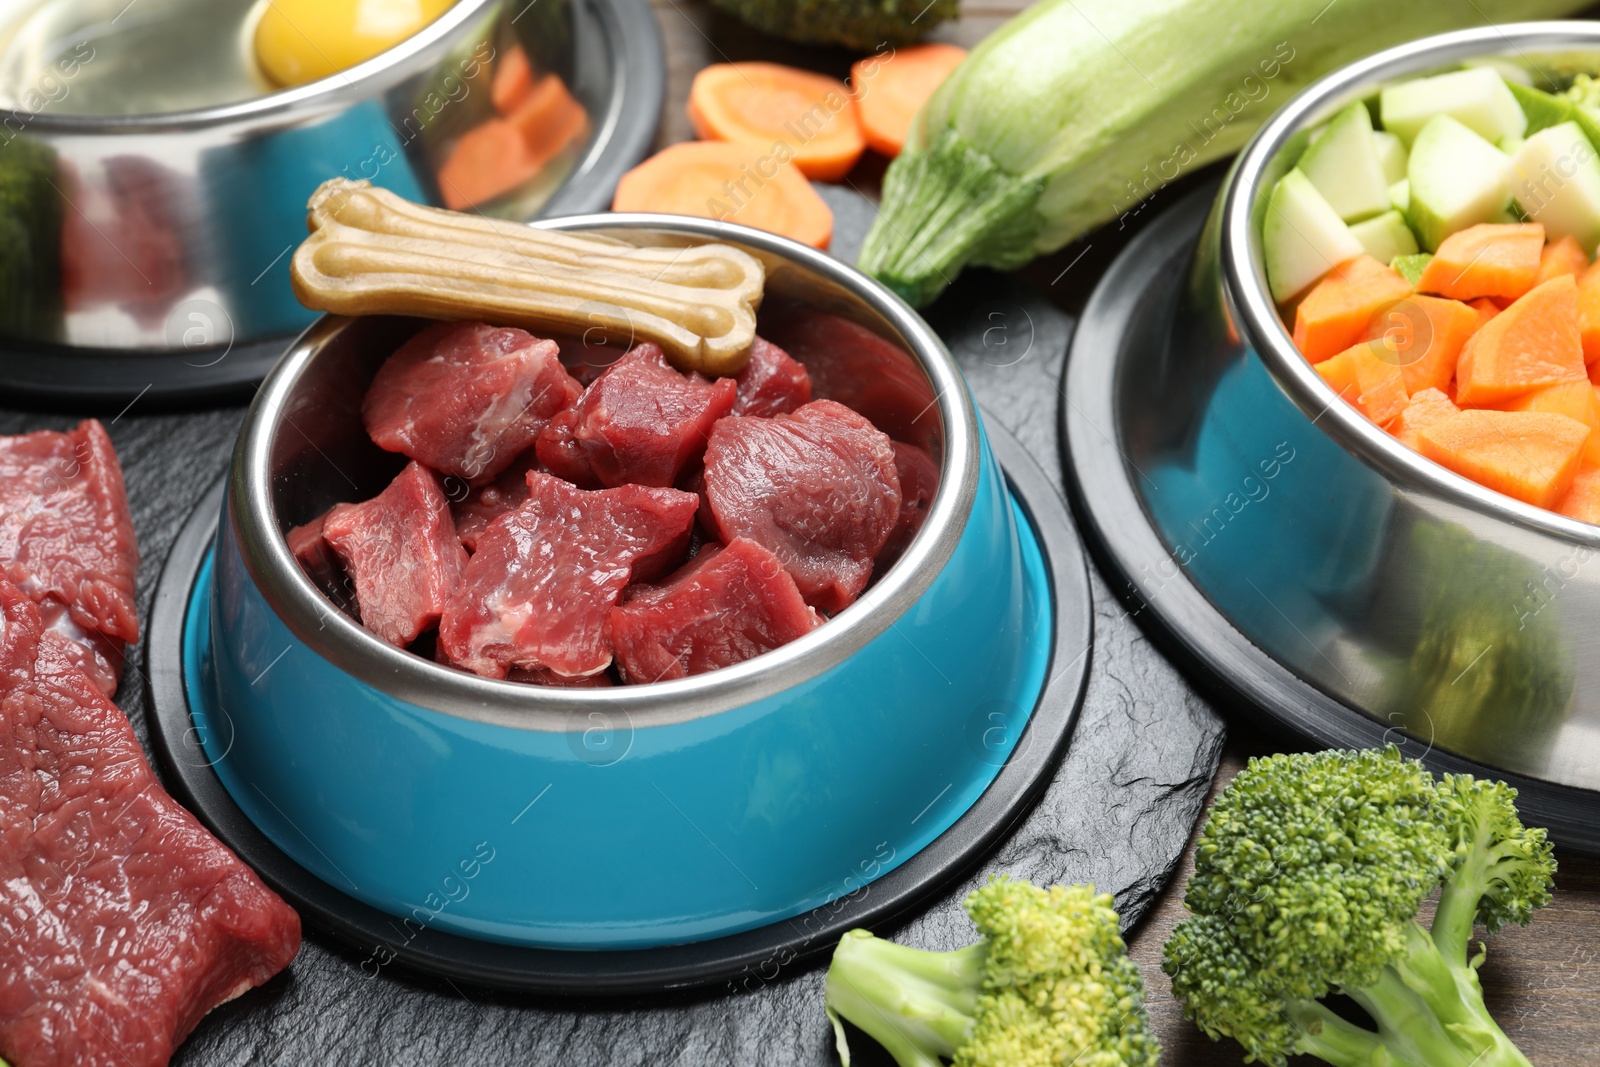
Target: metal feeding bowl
(1439,610)
(140,222)
(637,816)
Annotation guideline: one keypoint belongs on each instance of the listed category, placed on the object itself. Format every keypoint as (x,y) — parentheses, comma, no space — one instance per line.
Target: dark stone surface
(1118,813)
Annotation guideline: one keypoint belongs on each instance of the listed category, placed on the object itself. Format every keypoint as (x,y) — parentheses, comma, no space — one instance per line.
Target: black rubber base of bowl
(754,955)
(1131,307)
(625,100)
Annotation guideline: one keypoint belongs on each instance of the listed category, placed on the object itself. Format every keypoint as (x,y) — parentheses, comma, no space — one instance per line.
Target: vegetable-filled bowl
(1408,556)
(559,807)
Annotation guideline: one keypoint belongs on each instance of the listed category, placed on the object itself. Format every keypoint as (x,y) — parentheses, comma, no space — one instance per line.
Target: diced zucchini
(1509,145)
(1343,164)
(1391,155)
(1411,267)
(1557,183)
(1386,236)
(1458,179)
(1541,109)
(1303,237)
(1400,195)
(1476,98)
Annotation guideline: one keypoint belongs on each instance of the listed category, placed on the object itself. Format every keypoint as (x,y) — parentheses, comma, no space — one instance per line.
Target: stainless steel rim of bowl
(1245,280)
(415,680)
(416,53)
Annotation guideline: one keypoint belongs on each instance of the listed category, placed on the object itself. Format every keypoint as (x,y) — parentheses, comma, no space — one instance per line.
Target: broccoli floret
(861,24)
(1050,983)
(1308,876)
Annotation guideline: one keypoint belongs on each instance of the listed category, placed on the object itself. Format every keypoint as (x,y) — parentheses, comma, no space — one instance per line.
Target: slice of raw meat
(65,530)
(66,644)
(402,551)
(640,423)
(818,489)
(122,921)
(772,383)
(728,605)
(919,481)
(537,590)
(483,505)
(467,399)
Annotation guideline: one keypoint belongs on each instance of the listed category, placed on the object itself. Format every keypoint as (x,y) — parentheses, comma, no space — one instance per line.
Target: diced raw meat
(559,681)
(771,383)
(467,399)
(584,359)
(321,563)
(483,505)
(919,481)
(640,423)
(849,363)
(818,489)
(728,605)
(561,454)
(537,590)
(122,921)
(65,530)
(402,551)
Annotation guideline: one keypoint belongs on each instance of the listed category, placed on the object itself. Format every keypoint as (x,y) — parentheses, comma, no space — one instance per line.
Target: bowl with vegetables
(1367,427)
(686,615)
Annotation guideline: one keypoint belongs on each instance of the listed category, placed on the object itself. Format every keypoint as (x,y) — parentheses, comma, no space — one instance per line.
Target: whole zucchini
(1075,111)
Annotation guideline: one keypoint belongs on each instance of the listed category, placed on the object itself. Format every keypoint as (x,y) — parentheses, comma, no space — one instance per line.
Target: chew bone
(372,253)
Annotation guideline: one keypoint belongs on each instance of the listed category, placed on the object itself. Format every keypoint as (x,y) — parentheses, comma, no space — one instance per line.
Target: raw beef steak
(402,551)
(640,423)
(467,399)
(771,383)
(537,590)
(817,489)
(483,505)
(66,644)
(728,605)
(919,481)
(122,921)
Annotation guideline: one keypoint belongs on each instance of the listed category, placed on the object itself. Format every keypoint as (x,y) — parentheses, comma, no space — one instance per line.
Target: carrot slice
(1565,256)
(1530,455)
(890,90)
(1335,313)
(736,183)
(549,117)
(487,161)
(792,115)
(513,79)
(1589,313)
(1489,259)
(1576,400)
(1365,375)
(1426,334)
(1583,499)
(1427,407)
(1531,344)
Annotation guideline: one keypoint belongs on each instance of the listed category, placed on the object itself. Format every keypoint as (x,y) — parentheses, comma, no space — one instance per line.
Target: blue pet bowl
(632,817)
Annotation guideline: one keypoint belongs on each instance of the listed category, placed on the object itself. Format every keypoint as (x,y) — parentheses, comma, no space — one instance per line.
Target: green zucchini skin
(865,25)
(1076,111)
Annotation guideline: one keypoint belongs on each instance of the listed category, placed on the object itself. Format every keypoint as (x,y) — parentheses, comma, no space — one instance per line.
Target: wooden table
(1537,980)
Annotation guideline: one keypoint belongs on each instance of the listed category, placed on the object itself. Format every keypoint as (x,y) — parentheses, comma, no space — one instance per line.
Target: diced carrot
(1565,256)
(890,89)
(1489,259)
(487,161)
(1583,499)
(1576,400)
(1589,313)
(1427,407)
(1366,376)
(737,183)
(1529,455)
(1335,313)
(1531,344)
(1426,334)
(513,78)
(550,118)
(1486,309)
(803,117)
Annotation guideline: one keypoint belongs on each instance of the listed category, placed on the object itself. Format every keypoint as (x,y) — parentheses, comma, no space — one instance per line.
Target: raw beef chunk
(919,480)
(122,921)
(65,530)
(771,383)
(817,489)
(560,681)
(640,423)
(483,505)
(727,605)
(401,549)
(466,399)
(538,588)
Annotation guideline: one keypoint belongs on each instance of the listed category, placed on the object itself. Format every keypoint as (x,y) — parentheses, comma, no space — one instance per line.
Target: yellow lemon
(299,41)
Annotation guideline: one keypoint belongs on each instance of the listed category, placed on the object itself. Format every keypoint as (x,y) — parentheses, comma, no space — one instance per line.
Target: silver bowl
(1445,611)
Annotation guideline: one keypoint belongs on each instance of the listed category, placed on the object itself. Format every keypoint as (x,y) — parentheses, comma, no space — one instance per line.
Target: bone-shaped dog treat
(372,253)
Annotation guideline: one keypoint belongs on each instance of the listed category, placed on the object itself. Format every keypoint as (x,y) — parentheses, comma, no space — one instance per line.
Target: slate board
(1118,814)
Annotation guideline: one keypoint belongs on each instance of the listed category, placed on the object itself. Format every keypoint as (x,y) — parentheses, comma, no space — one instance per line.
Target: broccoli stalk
(1308,876)
(1050,983)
